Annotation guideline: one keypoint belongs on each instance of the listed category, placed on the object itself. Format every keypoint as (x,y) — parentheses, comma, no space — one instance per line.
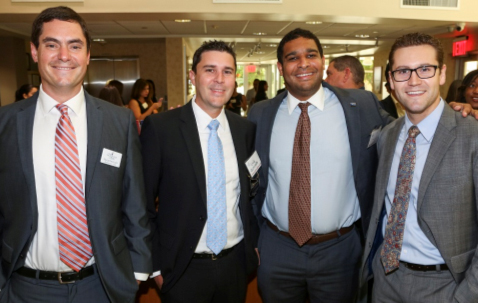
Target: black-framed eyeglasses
(423,72)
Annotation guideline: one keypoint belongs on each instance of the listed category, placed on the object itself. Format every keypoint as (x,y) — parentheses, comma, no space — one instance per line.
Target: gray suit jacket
(115,200)
(447,198)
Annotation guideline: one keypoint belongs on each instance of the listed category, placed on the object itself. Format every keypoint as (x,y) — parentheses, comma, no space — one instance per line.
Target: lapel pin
(353,104)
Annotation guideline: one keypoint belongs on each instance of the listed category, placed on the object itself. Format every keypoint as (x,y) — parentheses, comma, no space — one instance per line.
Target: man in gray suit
(72,205)
(422,240)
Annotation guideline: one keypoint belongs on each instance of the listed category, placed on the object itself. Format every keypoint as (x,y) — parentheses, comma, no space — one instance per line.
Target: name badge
(144,105)
(253,164)
(374,136)
(111,158)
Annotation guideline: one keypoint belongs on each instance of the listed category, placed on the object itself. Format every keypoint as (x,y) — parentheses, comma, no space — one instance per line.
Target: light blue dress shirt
(334,199)
(416,248)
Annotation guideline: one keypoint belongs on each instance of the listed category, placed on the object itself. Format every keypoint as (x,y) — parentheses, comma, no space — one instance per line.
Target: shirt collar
(428,125)
(203,119)
(317,100)
(75,104)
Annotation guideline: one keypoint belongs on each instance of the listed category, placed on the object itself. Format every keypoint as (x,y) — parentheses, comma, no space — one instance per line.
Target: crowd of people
(319,190)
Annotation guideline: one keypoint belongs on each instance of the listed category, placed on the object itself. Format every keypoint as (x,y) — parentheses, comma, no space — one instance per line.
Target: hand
(465,109)
(159,281)
(138,281)
(157,105)
(258,257)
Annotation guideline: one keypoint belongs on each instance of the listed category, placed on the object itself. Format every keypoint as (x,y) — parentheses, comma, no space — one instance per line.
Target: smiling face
(214,80)
(471,93)
(62,58)
(302,68)
(418,96)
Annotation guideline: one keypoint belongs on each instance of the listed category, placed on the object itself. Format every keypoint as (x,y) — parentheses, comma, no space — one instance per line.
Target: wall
(175,68)
(151,54)
(13,68)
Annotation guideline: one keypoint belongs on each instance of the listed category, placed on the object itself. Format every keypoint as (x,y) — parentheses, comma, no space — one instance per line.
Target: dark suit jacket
(389,106)
(174,171)
(362,114)
(115,202)
(447,198)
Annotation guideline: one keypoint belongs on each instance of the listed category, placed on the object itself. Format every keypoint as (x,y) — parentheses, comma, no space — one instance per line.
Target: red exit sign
(459,48)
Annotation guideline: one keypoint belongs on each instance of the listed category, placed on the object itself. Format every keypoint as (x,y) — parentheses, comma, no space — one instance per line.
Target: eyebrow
(308,51)
(418,66)
(215,66)
(51,39)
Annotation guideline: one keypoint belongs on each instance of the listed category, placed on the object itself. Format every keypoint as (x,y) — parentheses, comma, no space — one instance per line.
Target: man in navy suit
(344,125)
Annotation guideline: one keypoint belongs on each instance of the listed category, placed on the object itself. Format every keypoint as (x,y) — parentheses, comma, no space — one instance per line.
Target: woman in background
(468,91)
(261,91)
(110,94)
(25,91)
(141,103)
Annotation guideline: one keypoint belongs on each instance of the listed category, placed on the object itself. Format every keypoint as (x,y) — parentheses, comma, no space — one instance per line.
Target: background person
(110,94)
(141,103)
(261,92)
(346,72)
(468,90)
(237,102)
(25,91)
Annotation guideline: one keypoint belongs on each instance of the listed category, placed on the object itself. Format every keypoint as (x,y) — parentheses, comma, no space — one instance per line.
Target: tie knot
(413,132)
(63,108)
(213,125)
(304,106)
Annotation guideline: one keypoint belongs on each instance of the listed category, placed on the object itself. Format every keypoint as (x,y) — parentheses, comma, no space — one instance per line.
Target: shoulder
(13,108)
(265,105)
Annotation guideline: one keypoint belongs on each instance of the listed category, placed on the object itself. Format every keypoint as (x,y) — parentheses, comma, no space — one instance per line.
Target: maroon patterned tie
(73,237)
(392,242)
(300,193)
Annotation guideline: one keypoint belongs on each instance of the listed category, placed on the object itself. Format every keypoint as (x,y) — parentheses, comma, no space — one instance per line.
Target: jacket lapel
(445,134)
(94,119)
(190,134)
(352,118)
(25,118)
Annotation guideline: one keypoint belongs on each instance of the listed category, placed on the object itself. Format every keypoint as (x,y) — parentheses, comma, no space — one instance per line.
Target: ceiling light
(182,20)
(259,34)
(272,45)
(362,36)
(313,22)
(325,46)
(99,40)
(260,52)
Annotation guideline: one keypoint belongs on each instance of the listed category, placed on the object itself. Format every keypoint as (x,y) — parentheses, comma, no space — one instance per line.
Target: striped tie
(73,238)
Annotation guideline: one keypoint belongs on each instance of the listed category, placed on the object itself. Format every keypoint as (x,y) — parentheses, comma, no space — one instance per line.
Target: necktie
(216,192)
(73,238)
(392,244)
(300,193)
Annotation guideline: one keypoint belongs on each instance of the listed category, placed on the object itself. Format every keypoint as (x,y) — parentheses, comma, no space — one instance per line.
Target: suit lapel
(94,119)
(190,134)
(443,138)
(386,159)
(352,118)
(25,118)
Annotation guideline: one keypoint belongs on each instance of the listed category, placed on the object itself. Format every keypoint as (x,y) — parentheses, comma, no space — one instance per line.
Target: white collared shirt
(235,231)
(44,250)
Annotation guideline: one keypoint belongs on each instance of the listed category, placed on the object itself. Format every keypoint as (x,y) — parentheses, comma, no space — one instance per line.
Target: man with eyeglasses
(422,241)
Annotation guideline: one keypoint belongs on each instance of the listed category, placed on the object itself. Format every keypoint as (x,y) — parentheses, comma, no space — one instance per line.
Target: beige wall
(13,68)
(175,60)
(151,54)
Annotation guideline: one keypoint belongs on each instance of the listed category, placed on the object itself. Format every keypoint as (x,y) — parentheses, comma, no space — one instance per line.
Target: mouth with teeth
(304,75)
(415,93)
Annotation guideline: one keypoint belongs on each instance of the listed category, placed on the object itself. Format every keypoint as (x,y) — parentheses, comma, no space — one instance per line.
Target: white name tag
(144,105)
(374,137)
(111,158)
(253,164)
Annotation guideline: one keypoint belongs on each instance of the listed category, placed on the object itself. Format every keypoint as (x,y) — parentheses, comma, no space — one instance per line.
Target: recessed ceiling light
(375,32)
(272,45)
(259,34)
(99,40)
(362,36)
(313,22)
(182,20)
(325,46)
(260,53)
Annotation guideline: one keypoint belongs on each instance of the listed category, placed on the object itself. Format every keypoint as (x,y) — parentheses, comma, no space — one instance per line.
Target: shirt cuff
(141,276)
(155,274)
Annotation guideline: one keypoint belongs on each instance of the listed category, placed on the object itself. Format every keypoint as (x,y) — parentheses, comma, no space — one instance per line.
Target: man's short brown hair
(417,39)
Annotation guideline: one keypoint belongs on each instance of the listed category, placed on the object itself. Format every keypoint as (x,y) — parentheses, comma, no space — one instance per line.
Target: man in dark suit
(422,244)
(74,226)
(193,180)
(340,170)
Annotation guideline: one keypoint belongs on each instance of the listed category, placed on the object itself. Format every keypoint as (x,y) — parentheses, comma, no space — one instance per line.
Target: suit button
(201,218)
(22,256)
(376,221)
(191,248)
(369,245)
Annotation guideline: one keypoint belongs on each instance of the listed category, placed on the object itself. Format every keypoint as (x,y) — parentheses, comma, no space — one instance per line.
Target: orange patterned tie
(300,227)
(73,237)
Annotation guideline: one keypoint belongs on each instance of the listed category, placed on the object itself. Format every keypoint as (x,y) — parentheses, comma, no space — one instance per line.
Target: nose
(220,78)
(304,62)
(64,53)
(475,90)
(414,79)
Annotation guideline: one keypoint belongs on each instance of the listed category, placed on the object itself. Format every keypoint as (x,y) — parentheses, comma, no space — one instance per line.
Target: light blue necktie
(216,192)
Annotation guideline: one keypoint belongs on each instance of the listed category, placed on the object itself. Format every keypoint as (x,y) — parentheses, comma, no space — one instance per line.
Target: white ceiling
(337,38)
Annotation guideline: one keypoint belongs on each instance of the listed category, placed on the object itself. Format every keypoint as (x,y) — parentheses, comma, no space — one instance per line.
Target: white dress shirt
(44,251)
(235,231)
